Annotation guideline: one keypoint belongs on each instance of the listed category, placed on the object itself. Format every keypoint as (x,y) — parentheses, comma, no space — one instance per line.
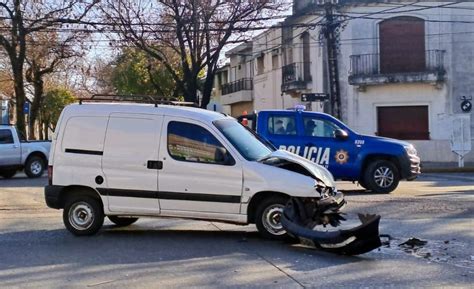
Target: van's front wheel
(83,215)
(268,218)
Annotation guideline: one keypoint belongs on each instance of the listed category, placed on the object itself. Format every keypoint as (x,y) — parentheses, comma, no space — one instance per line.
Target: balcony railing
(239,85)
(296,75)
(367,69)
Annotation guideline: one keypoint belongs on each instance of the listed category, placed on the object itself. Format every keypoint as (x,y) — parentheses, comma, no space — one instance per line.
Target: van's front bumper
(296,219)
(52,196)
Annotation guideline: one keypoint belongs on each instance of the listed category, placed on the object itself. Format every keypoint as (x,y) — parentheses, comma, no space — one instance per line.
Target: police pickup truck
(377,163)
(16,153)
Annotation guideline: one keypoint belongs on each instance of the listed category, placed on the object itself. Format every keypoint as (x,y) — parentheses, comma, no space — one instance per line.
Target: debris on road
(413,242)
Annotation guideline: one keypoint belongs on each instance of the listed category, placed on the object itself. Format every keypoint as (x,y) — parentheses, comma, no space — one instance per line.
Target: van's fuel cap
(99,180)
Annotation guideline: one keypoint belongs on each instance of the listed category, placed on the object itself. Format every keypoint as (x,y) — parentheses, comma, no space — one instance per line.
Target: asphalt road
(36,251)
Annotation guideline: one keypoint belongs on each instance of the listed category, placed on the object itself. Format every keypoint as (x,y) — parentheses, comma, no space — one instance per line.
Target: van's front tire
(35,167)
(83,215)
(381,177)
(121,221)
(268,218)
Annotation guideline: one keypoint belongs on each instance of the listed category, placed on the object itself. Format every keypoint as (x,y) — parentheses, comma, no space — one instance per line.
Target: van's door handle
(154,165)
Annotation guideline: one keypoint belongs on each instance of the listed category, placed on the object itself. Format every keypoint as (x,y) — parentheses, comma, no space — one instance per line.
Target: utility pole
(331,34)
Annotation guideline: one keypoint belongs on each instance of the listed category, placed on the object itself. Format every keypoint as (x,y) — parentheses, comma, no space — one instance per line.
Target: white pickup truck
(16,154)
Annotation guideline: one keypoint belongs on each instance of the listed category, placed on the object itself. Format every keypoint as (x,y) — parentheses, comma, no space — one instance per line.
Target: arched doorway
(402,45)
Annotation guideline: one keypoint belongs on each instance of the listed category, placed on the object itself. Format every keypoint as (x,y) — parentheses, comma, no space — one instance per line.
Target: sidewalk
(435,167)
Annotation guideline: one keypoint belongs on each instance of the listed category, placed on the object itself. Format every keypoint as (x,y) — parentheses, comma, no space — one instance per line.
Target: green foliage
(54,102)
(135,73)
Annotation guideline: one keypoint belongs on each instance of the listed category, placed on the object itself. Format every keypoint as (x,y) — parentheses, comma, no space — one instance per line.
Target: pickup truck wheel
(268,218)
(121,221)
(8,174)
(381,177)
(83,215)
(34,167)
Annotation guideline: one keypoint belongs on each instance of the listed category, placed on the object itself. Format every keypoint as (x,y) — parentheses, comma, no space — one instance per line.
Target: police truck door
(322,146)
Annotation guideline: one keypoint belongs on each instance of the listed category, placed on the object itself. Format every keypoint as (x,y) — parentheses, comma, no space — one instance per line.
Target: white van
(126,161)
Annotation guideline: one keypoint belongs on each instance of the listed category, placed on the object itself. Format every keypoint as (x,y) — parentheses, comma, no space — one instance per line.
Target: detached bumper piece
(298,221)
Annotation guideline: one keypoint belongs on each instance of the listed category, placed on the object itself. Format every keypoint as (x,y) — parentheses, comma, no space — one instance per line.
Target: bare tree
(196,30)
(20,19)
(48,52)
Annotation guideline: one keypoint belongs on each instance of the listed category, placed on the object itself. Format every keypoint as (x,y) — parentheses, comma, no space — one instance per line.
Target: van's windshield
(248,145)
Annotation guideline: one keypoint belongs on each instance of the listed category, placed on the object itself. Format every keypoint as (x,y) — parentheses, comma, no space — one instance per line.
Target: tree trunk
(40,127)
(207,90)
(20,97)
(46,132)
(35,106)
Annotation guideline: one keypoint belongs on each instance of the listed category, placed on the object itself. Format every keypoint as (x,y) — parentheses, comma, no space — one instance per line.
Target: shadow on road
(134,245)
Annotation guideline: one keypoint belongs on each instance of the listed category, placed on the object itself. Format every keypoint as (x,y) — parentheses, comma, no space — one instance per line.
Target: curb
(448,170)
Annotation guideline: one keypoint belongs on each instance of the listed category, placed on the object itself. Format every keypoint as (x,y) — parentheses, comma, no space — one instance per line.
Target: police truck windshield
(249,146)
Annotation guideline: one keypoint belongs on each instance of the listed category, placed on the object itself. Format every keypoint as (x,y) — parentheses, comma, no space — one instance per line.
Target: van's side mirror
(341,134)
(223,157)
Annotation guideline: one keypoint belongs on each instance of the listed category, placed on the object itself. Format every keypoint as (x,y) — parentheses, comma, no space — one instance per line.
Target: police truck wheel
(268,218)
(8,174)
(83,215)
(381,177)
(121,221)
(34,167)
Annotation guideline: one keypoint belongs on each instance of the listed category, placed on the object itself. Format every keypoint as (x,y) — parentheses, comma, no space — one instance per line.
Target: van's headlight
(323,190)
(411,151)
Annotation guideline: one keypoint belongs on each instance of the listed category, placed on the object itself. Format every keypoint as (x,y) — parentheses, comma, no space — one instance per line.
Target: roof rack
(136,98)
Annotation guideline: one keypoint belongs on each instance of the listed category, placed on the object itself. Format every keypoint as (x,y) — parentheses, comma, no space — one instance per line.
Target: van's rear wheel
(268,218)
(34,167)
(381,177)
(121,221)
(83,215)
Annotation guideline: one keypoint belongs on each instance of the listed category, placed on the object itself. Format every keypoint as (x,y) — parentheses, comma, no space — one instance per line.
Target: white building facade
(404,68)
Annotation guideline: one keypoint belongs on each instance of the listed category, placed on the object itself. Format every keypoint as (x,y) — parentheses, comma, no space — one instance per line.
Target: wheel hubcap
(81,216)
(36,167)
(271,219)
(384,177)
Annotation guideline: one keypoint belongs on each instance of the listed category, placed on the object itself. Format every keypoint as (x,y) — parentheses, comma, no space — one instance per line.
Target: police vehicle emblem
(342,157)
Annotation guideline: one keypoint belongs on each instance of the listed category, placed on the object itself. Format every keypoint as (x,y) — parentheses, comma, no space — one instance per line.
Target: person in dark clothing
(279,128)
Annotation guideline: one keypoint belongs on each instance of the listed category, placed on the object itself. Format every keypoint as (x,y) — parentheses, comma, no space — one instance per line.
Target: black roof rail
(137,98)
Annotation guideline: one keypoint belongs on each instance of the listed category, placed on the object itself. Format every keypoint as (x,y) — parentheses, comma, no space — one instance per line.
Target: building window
(403,122)
(192,143)
(275,64)
(261,64)
(402,45)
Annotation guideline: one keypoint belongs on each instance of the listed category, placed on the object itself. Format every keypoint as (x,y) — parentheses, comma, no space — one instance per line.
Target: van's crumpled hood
(319,172)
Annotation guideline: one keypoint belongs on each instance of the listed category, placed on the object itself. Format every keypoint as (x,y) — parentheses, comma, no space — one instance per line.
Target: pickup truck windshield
(249,146)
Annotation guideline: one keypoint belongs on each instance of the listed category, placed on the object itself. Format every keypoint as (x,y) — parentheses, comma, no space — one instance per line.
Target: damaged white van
(126,161)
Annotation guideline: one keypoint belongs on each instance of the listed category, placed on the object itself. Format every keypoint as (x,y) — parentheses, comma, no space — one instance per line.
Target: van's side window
(193,143)
(319,127)
(6,136)
(282,125)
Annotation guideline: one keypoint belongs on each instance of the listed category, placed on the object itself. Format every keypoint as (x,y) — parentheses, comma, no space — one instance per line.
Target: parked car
(125,161)
(16,153)
(377,163)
